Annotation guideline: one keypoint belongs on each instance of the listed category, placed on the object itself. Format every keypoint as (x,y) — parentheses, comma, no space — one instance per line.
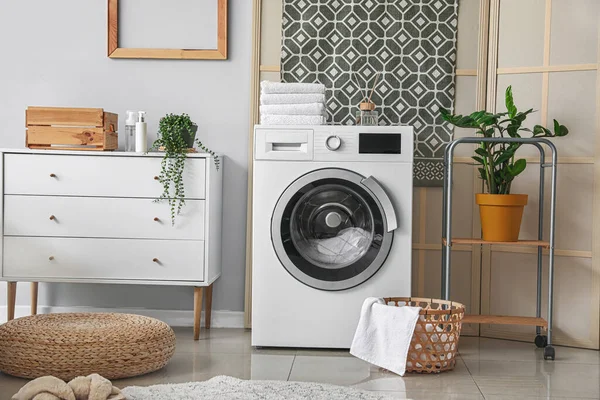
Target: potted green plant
(176,136)
(500,211)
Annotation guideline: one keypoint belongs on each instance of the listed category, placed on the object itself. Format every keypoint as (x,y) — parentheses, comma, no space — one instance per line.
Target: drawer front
(88,175)
(101,217)
(115,259)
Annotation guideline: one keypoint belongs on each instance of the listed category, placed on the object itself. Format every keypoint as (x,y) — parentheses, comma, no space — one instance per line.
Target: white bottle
(141,137)
(130,131)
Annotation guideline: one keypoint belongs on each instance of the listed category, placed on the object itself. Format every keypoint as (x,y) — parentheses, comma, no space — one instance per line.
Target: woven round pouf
(70,345)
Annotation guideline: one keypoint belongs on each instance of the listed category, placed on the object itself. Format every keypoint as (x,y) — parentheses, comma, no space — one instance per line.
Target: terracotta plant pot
(501,215)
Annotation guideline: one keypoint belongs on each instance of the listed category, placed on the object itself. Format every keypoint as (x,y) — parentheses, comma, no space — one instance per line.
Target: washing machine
(331,226)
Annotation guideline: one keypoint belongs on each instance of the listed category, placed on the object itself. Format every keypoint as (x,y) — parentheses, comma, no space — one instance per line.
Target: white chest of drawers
(89,217)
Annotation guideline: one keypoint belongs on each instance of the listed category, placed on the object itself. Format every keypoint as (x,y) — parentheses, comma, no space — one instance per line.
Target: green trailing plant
(498,166)
(173,130)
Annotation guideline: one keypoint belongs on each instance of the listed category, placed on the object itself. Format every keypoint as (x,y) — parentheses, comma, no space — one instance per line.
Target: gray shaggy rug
(228,388)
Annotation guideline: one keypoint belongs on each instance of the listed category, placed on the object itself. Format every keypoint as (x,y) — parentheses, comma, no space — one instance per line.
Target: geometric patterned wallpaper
(411,43)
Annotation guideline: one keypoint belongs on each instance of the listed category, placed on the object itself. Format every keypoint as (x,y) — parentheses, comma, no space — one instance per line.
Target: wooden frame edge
(222,28)
(491,88)
(547,68)
(116,52)
(422,241)
(595,298)
(168,54)
(113,26)
(254,106)
(546,74)
(480,99)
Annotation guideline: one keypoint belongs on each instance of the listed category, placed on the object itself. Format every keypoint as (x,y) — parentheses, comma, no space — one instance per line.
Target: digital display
(379,143)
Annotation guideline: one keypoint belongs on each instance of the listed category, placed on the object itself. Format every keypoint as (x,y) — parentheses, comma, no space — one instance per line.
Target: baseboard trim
(184,318)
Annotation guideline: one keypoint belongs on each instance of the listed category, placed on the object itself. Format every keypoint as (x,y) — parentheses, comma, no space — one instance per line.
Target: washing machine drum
(332,229)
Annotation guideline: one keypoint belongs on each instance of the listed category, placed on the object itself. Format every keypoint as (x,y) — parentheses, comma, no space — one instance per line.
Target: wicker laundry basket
(70,345)
(435,342)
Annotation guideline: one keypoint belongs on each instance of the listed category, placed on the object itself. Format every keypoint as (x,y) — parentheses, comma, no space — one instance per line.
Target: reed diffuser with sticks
(366,114)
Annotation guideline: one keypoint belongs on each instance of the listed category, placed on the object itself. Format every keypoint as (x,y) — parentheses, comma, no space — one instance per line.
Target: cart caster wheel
(541,341)
(549,353)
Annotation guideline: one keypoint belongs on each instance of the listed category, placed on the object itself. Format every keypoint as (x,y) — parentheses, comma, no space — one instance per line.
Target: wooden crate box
(71,129)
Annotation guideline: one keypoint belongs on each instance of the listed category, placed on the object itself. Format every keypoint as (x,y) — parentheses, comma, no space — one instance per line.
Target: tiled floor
(487,369)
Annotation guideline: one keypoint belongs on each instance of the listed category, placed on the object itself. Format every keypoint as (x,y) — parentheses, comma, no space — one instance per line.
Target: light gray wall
(53,53)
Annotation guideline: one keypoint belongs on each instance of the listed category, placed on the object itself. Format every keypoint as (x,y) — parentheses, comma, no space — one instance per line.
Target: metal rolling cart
(540,323)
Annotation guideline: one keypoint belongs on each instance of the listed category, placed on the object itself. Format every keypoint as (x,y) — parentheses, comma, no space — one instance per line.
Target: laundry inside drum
(332,226)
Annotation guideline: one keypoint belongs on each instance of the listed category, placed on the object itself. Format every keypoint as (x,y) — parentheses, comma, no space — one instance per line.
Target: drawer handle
(156,178)
(52,175)
(51,258)
(155,260)
(52,218)
(156,219)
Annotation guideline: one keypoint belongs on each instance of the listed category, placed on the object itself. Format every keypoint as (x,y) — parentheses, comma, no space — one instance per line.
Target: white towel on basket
(293,109)
(384,333)
(280,87)
(266,119)
(291,98)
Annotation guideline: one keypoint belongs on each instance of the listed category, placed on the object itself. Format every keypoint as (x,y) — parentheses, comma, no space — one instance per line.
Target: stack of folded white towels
(292,103)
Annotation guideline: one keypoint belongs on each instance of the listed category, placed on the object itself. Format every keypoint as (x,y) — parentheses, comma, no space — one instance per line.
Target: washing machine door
(332,229)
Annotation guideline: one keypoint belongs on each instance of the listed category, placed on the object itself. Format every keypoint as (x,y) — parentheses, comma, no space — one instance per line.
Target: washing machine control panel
(355,143)
(334,143)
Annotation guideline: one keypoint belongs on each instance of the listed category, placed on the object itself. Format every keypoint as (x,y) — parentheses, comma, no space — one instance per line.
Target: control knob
(333,143)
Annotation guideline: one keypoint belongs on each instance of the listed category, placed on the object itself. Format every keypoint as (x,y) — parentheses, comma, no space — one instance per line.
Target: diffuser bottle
(366,114)
(141,136)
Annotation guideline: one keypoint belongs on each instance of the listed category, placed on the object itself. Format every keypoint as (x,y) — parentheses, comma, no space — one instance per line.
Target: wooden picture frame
(114,51)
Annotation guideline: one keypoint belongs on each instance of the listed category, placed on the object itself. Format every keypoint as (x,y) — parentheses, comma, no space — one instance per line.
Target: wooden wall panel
(512,290)
(521,41)
(572,101)
(572,44)
(462,213)
(527,89)
(464,103)
(461,280)
(533,51)
(270,49)
(574,289)
(416,214)
(415,271)
(468,32)
(562,84)
(528,183)
(270,76)
(574,207)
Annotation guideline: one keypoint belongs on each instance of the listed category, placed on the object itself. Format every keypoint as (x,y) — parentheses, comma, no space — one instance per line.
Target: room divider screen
(548,51)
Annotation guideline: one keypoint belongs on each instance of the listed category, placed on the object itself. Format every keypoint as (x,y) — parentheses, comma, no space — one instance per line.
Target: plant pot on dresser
(78,217)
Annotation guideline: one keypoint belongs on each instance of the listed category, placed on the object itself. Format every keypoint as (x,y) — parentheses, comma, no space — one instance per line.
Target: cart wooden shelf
(505,320)
(530,243)
(540,323)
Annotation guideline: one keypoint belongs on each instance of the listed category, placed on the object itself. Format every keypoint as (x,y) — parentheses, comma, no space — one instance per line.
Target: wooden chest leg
(208,306)
(197,311)
(34,298)
(11,298)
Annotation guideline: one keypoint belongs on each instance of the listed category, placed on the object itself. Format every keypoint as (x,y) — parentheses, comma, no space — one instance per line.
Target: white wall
(53,53)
